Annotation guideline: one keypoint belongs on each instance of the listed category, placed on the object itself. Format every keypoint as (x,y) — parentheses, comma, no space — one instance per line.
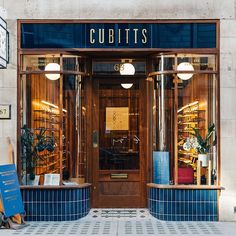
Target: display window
(185,118)
(52,119)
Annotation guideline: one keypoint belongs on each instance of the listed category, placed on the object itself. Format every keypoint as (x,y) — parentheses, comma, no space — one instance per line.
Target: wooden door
(119,144)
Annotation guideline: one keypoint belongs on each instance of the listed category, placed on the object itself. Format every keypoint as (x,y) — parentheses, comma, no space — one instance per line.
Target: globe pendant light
(185,66)
(127,85)
(52,67)
(127,69)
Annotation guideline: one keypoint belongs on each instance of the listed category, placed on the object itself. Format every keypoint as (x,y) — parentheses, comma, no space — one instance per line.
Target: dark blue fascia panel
(118,35)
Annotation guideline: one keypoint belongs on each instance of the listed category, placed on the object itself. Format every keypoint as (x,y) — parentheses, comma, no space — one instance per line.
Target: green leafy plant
(32,144)
(204,143)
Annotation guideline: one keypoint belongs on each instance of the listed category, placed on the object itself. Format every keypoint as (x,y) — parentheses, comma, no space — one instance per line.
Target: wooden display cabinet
(189,116)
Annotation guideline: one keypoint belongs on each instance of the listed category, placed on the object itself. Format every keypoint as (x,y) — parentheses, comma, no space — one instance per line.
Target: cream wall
(225,10)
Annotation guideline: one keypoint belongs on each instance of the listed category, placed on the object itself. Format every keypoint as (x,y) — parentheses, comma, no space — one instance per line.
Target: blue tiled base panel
(63,204)
(183,204)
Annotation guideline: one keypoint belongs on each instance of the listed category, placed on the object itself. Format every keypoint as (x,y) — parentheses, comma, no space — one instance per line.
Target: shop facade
(128,138)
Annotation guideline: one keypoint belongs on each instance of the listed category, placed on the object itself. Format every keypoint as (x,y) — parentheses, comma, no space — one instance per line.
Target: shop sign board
(118,35)
(4,44)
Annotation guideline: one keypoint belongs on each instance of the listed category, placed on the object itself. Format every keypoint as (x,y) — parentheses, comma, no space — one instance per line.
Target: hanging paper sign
(117,118)
(3,44)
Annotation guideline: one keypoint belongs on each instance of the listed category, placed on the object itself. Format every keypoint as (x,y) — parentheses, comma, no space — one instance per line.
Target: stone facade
(225,10)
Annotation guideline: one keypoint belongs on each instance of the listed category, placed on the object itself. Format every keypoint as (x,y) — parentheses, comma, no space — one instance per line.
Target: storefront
(123,109)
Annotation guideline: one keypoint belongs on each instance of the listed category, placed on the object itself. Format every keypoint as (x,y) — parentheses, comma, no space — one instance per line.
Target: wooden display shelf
(52,164)
(192,112)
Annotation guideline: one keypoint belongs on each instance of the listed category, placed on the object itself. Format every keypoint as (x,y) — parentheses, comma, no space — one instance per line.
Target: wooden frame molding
(147,53)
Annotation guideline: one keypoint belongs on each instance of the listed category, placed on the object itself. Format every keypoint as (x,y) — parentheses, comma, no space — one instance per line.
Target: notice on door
(117,118)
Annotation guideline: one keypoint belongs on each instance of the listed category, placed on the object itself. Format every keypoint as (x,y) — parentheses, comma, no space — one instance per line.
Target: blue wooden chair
(10,197)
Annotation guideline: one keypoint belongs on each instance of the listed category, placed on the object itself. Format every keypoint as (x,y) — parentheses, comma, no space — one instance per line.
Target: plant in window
(32,144)
(204,144)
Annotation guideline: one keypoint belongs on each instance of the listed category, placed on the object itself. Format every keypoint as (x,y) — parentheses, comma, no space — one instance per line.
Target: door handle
(119,176)
(95,138)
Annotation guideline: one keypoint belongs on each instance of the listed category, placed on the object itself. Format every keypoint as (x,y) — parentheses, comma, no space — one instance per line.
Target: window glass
(184,110)
(53,115)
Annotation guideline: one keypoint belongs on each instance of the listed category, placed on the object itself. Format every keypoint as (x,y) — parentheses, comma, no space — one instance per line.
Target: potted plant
(32,144)
(204,144)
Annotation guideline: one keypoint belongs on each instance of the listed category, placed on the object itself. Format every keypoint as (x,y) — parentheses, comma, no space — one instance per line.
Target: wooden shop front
(107,123)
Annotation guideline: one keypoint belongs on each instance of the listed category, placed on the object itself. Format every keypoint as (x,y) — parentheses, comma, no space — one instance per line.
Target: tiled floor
(122,222)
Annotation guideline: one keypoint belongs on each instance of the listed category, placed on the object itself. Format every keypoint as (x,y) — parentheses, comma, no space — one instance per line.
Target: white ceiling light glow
(52,67)
(185,66)
(127,69)
(127,85)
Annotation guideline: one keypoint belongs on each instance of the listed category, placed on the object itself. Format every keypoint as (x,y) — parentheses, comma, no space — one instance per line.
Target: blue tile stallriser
(183,204)
(56,204)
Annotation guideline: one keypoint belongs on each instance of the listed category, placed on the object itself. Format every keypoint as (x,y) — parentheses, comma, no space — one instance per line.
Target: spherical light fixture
(185,66)
(127,69)
(52,67)
(127,85)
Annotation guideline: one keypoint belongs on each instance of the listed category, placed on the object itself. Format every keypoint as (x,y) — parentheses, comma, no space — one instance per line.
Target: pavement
(123,222)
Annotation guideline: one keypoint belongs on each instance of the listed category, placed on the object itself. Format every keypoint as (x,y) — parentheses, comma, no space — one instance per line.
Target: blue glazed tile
(205,195)
(161,207)
(33,194)
(157,207)
(183,195)
(171,195)
(214,193)
(161,194)
(169,207)
(198,196)
(199,209)
(161,217)
(174,207)
(167,195)
(185,218)
(177,218)
(165,207)
(214,218)
(194,195)
(190,208)
(186,195)
(214,206)
(194,207)
(190,195)
(208,208)
(186,208)
(199,218)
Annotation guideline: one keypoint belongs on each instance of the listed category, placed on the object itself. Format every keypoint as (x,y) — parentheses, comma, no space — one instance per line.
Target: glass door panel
(119,127)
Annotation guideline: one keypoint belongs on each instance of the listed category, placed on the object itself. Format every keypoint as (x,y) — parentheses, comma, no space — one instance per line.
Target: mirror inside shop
(55,138)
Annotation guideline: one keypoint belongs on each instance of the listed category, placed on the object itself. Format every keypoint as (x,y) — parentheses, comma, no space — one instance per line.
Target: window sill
(55,187)
(181,186)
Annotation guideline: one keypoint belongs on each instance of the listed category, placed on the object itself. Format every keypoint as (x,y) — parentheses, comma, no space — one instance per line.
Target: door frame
(145,106)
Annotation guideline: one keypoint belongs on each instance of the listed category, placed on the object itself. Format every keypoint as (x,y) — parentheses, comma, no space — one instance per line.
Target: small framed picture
(5,112)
